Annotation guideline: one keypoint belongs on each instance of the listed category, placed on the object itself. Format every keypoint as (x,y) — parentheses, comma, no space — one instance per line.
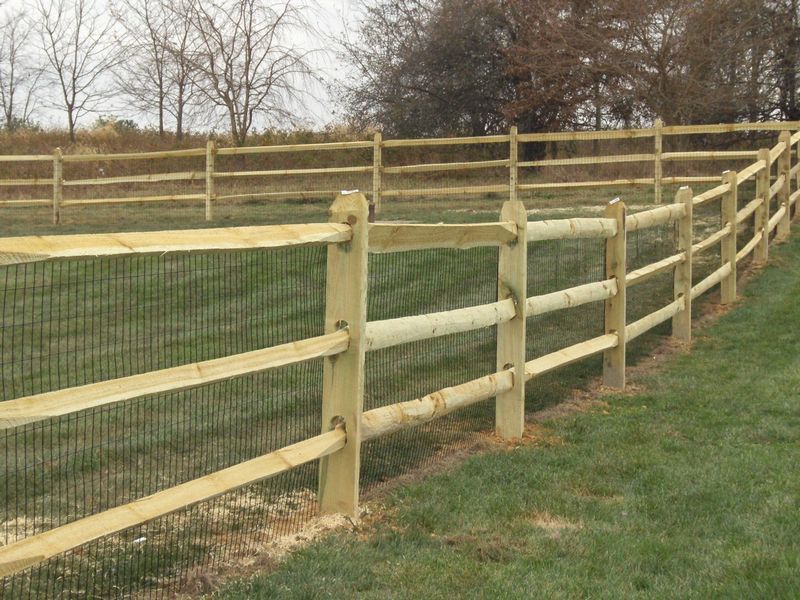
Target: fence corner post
(211,154)
(512,276)
(784,167)
(659,167)
(58,184)
(729,208)
(377,170)
(682,322)
(343,374)
(762,212)
(615,307)
(513,160)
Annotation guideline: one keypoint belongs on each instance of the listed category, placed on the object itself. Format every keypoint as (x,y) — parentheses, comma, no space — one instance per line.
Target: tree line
(420,67)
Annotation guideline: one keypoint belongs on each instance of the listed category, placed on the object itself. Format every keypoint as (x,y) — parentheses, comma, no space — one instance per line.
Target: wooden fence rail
(348,335)
(211,174)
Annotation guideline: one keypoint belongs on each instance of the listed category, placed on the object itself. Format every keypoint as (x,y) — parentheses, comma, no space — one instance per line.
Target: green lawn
(688,488)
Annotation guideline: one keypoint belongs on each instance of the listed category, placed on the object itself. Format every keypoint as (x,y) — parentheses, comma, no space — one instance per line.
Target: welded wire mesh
(419,282)
(79,321)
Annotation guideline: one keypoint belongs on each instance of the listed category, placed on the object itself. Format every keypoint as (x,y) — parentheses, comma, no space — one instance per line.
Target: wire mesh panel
(418,282)
(81,321)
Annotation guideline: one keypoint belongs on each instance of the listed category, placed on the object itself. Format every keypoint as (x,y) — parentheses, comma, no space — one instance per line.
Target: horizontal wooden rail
(394,417)
(131,199)
(452,166)
(290,172)
(283,195)
(643,274)
(523,187)
(72,158)
(794,170)
(569,229)
(795,137)
(29,409)
(589,160)
(712,194)
(26,182)
(40,547)
(32,202)
(147,178)
(459,141)
(445,191)
(389,237)
(682,180)
(392,332)
(577,136)
(730,127)
(715,155)
(292,148)
(751,171)
(776,218)
(26,158)
(776,151)
(714,238)
(17,250)
(645,324)
(571,354)
(655,217)
(709,282)
(793,197)
(571,297)
(776,187)
(748,209)
(749,246)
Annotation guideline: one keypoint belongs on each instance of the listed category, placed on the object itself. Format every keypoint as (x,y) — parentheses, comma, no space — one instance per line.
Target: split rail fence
(204,182)
(348,335)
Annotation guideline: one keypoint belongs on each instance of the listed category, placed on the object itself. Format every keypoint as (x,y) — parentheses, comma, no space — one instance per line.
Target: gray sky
(330,19)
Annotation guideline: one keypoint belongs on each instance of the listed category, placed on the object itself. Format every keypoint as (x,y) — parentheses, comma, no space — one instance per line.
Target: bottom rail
(712,280)
(645,324)
(749,246)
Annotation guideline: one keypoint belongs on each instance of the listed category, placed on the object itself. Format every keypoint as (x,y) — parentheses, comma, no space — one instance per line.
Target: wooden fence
(515,185)
(348,336)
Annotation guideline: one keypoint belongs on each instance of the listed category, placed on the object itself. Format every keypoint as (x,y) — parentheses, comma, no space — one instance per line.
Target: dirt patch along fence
(56,466)
(652,160)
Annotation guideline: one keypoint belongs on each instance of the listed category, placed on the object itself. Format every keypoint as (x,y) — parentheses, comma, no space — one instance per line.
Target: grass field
(686,488)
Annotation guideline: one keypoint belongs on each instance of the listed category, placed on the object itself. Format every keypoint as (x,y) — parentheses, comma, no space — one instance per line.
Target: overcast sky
(330,20)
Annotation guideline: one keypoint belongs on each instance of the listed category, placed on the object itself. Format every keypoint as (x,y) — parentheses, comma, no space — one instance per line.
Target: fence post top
(349,202)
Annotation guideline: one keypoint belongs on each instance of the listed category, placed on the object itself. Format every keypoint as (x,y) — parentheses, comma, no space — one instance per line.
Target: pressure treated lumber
(749,247)
(654,217)
(730,127)
(776,151)
(645,324)
(565,136)
(401,330)
(711,240)
(292,172)
(710,281)
(26,182)
(58,184)
(145,178)
(70,400)
(682,278)
(458,141)
(40,547)
(512,284)
(775,219)
(714,155)
(748,209)
(762,212)
(615,307)
(775,188)
(131,199)
(571,297)
(569,229)
(445,191)
(658,164)
(711,194)
(645,273)
(388,237)
(210,196)
(377,172)
(25,158)
(282,195)
(589,160)
(32,202)
(586,184)
(17,250)
(237,151)
(134,155)
(784,168)
(754,169)
(569,355)
(728,249)
(452,166)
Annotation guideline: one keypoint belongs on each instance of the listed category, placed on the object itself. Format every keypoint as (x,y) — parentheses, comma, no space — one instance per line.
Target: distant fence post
(659,167)
(377,167)
(762,212)
(513,160)
(784,166)
(343,374)
(58,184)
(728,254)
(512,275)
(682,322)
(797,178)
(615,307)
(211,154)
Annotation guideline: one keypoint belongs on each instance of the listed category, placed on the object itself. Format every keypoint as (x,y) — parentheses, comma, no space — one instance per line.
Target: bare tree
(246,64)
(18,73)
(80,50)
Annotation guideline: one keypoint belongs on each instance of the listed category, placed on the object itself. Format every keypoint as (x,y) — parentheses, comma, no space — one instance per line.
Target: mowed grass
(686,489)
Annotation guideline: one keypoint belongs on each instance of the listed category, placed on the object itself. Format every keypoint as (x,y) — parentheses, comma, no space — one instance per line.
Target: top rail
(562,229)
(655,216)
(292,148)
(750,171)
(133,155)
(711,194)
(457,141)
(563,136)
(17,250)
(26,157)
(731,127)
(390,237)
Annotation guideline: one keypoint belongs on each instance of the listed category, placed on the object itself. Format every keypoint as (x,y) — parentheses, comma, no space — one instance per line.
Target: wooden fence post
(211,154)
(784,166)
(659,168)
(512,275)
(729,208)
(762,212)
(513,160)
(58,184)
(343,374)
(682,322)
(615,307)
(797,178)
(377,167)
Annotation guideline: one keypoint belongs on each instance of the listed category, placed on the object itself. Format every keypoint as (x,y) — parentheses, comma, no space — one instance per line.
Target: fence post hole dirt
(762,212)
(784,166)
(512,275)
(728,254)
(343,374)
(615,307)
(58,184)
(659,167)
(682,322)
(211,154)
